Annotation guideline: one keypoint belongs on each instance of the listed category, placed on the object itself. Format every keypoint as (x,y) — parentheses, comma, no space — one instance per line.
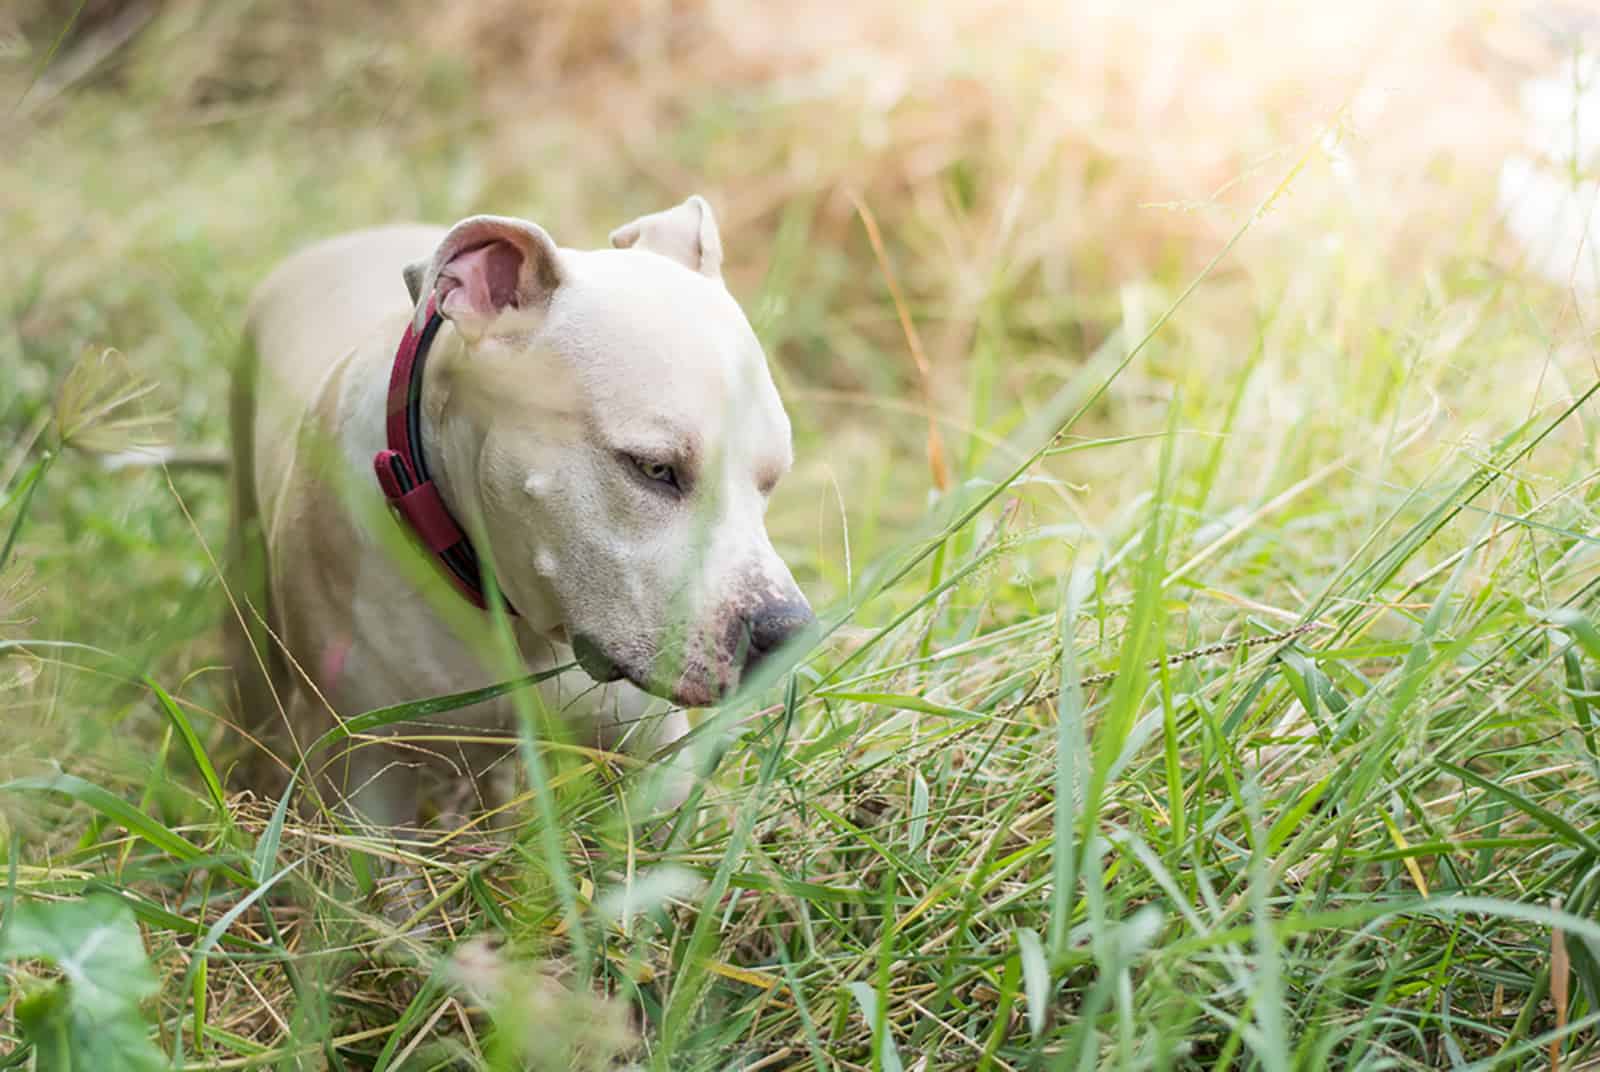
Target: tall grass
(1219,355)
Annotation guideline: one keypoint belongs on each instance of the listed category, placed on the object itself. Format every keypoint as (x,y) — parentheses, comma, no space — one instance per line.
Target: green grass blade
(120,812)
(191,742)
(1544,816)
(203,948)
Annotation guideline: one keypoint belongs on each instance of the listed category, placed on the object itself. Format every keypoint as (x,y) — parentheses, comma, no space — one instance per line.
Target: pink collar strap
(403,472)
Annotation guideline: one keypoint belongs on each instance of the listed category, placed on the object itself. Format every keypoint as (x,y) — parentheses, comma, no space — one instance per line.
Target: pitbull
(600,426)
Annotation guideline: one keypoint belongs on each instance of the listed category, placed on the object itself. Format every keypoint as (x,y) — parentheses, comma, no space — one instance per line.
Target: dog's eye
(657,472)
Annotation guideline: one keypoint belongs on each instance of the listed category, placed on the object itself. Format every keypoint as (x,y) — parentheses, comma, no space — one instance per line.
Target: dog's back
(311,311)
(315,308)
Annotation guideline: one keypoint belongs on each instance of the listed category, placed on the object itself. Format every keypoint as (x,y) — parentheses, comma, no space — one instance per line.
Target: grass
(1193,384)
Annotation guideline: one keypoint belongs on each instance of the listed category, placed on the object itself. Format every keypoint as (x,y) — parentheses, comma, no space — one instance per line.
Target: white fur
(529,417)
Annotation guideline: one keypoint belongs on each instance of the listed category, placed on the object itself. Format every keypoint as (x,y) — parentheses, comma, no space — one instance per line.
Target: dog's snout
(773,624)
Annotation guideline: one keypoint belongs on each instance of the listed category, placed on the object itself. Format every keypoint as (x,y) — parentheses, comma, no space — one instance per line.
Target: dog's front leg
(622,718)
(380,786)
(374,787)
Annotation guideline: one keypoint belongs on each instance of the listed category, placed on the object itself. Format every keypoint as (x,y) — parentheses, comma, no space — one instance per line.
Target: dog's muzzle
(753,637)
(594,662)
(772,626)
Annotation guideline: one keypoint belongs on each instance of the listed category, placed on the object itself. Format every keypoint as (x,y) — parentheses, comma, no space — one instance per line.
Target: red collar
(403,472)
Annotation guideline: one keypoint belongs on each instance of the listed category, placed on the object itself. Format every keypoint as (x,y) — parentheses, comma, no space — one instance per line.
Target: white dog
(599,425)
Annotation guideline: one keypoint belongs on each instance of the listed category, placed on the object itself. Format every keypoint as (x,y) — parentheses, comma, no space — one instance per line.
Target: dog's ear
(485,266)
(687,233)
(414,273)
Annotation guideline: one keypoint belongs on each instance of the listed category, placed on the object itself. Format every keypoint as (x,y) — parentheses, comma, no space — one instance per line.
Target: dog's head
(609,416)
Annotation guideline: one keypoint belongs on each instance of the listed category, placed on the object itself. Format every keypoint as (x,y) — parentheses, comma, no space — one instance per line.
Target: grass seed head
(102,406)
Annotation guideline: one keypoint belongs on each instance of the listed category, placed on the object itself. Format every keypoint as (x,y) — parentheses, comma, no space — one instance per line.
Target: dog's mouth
(688,690)
(596,663)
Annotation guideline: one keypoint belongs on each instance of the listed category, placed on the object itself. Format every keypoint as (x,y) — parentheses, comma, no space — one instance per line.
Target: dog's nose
(773,624)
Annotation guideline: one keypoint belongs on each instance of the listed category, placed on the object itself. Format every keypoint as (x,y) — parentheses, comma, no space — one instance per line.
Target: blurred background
(1053,162)
(1046,177)
(1390,205)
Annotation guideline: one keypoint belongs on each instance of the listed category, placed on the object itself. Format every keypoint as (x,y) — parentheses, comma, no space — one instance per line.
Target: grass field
(1180,331)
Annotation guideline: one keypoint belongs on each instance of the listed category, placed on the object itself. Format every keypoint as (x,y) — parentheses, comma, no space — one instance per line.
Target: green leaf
(1578,692)
(1035,977)
(119,811)
(867,1002)
(194,978)
(191,741)
(1581,628)
(1290,820)
(91,1020)
(906,703)
(267,848)
(24,493)
(919,811)
(1002,1014)
(417,709)
(1544,816)
(168,705)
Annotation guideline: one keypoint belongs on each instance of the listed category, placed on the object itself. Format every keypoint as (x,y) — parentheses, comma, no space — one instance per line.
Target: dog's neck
(450,446)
